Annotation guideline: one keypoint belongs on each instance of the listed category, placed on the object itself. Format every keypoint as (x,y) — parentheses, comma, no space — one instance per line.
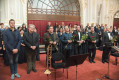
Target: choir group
(21,45)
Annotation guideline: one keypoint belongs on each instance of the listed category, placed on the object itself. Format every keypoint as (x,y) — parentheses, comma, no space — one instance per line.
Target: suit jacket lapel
(54,36)
(80,35)
(30,37)
(33,36)
(77,35)
(107,35)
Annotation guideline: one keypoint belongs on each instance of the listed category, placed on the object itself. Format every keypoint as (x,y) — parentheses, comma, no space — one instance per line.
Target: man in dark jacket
(92,39)
(51,38)
(78,40)
(107,37)
(12,41)
(67,43)
(88,27)
(31,40)
(0,40)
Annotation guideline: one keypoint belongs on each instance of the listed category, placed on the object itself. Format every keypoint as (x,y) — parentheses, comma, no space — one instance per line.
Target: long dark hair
(23,25)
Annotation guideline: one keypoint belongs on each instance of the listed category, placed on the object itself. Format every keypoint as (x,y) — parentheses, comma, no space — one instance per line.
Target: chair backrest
(57,56)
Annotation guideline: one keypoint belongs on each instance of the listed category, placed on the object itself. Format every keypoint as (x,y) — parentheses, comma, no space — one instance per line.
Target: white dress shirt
(110,37)
(79,35)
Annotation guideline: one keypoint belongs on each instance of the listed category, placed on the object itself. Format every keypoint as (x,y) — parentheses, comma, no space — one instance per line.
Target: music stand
(107,76)
(75,60)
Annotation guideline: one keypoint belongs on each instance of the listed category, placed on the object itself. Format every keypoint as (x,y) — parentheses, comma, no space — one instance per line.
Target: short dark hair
(11,20)
(19,27)
(21,30)
(92,27)
(1,23)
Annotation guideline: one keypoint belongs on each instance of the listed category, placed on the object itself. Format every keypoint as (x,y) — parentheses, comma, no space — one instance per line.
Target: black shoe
(93,61)
(28,72)
(34,70)
(90,61)
(106,61)
(103,61)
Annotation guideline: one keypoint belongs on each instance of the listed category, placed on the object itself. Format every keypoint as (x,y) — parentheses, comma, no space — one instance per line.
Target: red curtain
(116,22)
(41,26)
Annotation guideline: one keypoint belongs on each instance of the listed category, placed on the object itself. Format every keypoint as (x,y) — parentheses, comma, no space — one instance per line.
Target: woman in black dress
(24,27)
(84,46)
(60,36)
(22,56)
(5,55)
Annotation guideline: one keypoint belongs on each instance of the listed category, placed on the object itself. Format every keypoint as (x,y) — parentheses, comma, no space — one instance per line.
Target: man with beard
(12,41)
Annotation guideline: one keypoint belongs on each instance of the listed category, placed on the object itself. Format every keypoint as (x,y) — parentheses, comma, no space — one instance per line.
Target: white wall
(13,9)
(90,8)
(17,9)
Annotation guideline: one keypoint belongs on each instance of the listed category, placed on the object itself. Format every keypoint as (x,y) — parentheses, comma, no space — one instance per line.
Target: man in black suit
(92,39)
(31,40)
(51,38)
(96,28)
(88,27)
(107,37)
(77,40)
(1,40)
(114,30)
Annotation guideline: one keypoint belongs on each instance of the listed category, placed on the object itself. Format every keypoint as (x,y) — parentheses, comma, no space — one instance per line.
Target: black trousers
(31,60)
(105,55)
(92,56)
(37,55)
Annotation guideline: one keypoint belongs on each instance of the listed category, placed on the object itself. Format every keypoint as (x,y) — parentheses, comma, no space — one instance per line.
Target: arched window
(116,14)
(62,9)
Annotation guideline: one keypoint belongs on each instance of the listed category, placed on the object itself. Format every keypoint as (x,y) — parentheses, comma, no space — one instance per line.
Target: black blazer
(1,38)
(45,40)
(96,29)
(105,37)
(90,44)
(114,32)
(117,34)
(77,36)
(30,41)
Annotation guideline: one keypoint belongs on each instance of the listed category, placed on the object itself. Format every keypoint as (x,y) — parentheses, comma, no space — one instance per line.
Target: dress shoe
(90,61)
(93,61)
(28,72)
(103,61)
(106,61)
(34,70)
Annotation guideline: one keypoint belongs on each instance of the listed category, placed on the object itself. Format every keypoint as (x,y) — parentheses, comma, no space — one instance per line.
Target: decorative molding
(53,17)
